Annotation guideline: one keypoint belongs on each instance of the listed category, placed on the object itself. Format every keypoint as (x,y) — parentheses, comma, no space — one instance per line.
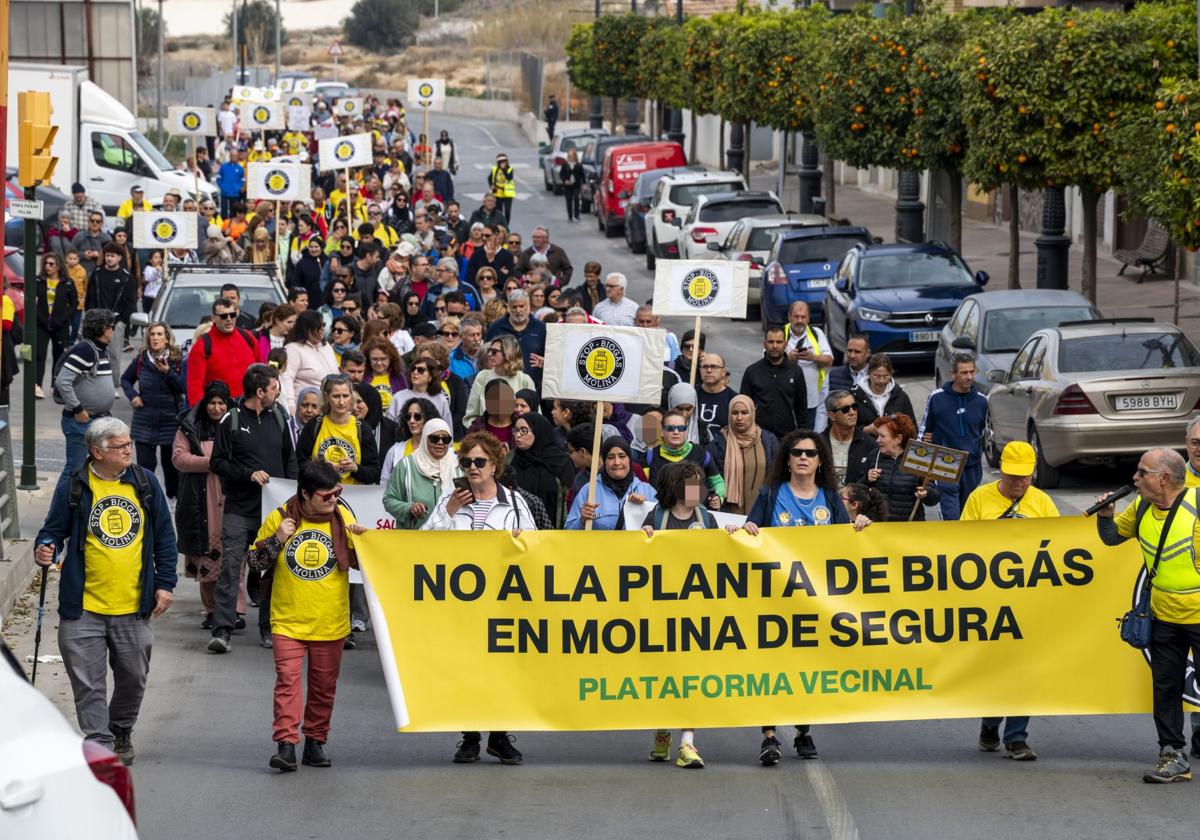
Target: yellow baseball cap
(1018,458)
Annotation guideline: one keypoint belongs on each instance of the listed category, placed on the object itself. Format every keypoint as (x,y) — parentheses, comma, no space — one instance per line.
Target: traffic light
(35,137)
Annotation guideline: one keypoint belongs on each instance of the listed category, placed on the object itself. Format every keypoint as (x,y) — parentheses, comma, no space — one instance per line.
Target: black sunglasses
(803,452)
(444,440)
(226,316)
(477,463)
(846,409)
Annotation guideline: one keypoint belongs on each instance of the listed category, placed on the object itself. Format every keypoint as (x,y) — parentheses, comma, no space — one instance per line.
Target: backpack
(206,339)
(62,360)
(283,430)
(660,517)
(141,483)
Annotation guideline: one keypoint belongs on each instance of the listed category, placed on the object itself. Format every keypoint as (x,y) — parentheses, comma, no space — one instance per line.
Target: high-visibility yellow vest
(501,186)
(822,372)
(1177,570)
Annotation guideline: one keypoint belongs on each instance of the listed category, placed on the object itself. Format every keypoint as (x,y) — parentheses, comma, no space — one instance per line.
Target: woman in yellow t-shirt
(336,436)
(386,369)
(306,547)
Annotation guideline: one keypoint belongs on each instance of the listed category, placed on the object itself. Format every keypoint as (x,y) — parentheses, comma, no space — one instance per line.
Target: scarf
(531,397)
(441,470)
(684,394)
(618,486)
(545,464)
(163,355)
(737,449)
(345,556)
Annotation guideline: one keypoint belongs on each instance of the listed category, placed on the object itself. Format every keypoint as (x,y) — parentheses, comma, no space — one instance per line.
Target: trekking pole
(37,636)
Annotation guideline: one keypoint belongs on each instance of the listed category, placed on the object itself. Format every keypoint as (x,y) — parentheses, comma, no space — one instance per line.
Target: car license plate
(1144,402)
(924,336)
(818,283)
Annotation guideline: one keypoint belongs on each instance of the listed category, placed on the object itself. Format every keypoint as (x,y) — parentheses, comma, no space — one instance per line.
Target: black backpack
(206,340)
(75,494)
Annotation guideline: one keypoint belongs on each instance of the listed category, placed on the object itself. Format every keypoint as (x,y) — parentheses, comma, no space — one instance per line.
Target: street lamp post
(1053,246)
(809,174)
(675,115)
(632,118)
(596,117)
(278,37)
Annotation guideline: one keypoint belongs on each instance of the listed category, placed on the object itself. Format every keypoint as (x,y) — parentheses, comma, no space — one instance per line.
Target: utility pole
(632,120)
(596,115)
(160,75)
(278,37)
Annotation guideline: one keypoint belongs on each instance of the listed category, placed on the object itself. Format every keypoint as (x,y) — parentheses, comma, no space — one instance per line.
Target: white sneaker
(37,392)
(117,394)
(358,625)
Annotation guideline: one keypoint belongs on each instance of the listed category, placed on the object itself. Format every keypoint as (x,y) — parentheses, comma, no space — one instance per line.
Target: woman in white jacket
(485,506)
(309,358)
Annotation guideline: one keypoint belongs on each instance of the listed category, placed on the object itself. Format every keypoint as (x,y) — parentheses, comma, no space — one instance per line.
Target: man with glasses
(81,206)
(233,293)
(556,258)
(252,446)
(513,244)
(445,282)
(615,309)
(222,354)
(529,332)
(90,241)
(853,449)
(383,233)
(714,394)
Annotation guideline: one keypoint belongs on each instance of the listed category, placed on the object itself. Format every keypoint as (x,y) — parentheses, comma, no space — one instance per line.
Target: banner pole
(916,507)
(598,425)
(349,206)
(195,172)
(695,352)
(428,146)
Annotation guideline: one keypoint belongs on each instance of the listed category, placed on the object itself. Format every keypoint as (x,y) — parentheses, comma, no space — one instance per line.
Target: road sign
(19,208)
(335,49)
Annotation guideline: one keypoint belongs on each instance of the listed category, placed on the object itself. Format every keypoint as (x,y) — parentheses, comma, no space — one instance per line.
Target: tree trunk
(955,201)
(721,141)
(1014,236)
(1090,200)
(614,115)
(830,207)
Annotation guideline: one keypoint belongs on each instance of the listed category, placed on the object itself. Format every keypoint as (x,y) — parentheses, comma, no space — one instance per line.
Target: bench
(1150,254)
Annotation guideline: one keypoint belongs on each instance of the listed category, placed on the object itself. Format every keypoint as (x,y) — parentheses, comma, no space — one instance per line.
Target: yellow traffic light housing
(35,137)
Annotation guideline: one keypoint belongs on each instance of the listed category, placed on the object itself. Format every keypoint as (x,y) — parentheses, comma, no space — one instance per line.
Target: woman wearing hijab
(369,409)
(527,402)
(616,484)
(305,272)
(420,479)
(682,398)
(743,452)
(540,463)
(410,424)
(308,406)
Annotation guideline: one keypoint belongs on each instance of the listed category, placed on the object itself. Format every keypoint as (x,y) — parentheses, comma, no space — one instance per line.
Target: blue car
(800,266)
(900,296)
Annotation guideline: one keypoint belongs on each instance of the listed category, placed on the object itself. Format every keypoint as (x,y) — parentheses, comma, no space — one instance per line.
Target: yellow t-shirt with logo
(336,442)
(310,596)
(383,384)
(51,291)
(112,550)
(987,502)
(1172,607)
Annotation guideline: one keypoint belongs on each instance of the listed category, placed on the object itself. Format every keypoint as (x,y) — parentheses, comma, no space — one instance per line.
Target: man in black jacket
(846,377)
(853,450)
(776,386)
(252,446)
(111,287)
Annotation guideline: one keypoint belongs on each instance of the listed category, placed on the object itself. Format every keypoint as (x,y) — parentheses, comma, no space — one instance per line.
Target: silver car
(751,240)
(992,326)
(1094,391)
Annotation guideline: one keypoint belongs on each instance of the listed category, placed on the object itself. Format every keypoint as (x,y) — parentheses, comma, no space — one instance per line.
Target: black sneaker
(805,748)
(1196,743)
(265,640)
(768,753)
(1019,751)
(989,738)
(468,750)
(220,641)
(123,744)
(500,744)
(284,759)
(240,624)
(314,754)
(207,623)
(349,643)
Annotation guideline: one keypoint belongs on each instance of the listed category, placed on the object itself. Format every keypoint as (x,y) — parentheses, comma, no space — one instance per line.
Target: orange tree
(581,58)
(1168,160)
(1046,98)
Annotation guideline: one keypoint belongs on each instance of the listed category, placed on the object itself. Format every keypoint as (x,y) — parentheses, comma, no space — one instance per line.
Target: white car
(674,196)
(751,239)
(714,215)
(53,783)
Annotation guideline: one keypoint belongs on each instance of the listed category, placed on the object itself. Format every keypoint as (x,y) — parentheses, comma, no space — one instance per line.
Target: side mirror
(963,343)
(713,246)
(676,223)
(997,376)
(139,319)
(982,277)
(841,284)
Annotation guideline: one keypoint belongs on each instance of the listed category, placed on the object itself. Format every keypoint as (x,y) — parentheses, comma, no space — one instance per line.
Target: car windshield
(685,195)
(149,151)
(569,143)
(762,238)
(1127,351)
(731,211)
(1005,330)
(827,249)
(186,305)
(892,271)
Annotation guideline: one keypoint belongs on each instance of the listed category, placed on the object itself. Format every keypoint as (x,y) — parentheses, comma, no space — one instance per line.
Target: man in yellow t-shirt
(136,201)
(118,572)
(1013,496)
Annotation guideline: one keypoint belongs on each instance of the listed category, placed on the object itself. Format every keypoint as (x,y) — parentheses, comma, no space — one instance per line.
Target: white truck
(98,143)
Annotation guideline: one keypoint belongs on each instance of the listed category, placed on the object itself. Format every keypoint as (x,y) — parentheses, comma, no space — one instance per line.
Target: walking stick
(37,636)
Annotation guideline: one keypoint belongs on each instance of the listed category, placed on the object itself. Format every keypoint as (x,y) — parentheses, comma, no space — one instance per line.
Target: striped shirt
(480,508)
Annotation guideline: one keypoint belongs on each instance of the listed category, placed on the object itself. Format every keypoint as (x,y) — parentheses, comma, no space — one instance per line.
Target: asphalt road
(205,733)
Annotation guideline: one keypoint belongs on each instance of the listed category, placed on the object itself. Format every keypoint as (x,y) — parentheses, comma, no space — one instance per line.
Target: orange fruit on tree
(1159,105)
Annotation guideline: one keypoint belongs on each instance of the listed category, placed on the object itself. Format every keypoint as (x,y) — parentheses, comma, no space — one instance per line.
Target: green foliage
(581,59)
(383,26)
(256,22)
(613,40)
(1168,162)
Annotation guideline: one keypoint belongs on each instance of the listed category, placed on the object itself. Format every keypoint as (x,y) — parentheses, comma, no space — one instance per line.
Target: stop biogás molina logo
(700,287)
(333,450)
(261,114)
(425,91)
(343,151)
(278,182)
(600,363)
(309,555)
(191,120)
(115,521)
(164,231)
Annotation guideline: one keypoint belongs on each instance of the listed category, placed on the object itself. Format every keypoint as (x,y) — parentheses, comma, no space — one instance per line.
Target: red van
(622,165)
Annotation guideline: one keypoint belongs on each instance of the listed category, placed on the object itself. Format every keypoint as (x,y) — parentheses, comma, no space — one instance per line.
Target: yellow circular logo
(115,521)
(820,515)
(278,182)
(348,106)
(164,231)
(344,150)
(949,459)
(261,114)
(309,555)
(921,451)
(784,517)
(700,287)
(600,363)
(191,120)
(296,102)
(425,90)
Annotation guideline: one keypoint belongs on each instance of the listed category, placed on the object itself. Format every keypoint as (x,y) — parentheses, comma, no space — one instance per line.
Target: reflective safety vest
(822,372)
(1177,569)
(502,187)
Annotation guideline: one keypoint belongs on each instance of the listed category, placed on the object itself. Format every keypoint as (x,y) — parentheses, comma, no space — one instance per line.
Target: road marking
(833,806)
(495,142)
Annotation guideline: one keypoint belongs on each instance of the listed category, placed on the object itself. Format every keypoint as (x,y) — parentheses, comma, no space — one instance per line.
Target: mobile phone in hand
(461,483)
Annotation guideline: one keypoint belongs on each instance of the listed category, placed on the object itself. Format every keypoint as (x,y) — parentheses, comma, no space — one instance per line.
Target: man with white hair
(556,258)
(616,309)
(529,332)
(111,518)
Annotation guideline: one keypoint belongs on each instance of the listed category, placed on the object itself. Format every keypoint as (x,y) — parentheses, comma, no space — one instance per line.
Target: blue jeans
(1015,728)
(955,495)
(76,449)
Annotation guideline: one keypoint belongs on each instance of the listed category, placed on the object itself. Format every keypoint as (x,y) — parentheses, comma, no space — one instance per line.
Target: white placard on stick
(263,116)
(277,181)
(701,287)
(345,152)
(298,100)
(598,362)
(285,85)
(164,230)
(248,93)
(304,86)
(350,106)
(191,122)
(426,93)
(297,118)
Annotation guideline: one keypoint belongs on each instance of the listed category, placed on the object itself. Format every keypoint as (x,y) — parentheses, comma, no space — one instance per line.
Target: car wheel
(990,450)
(650,258)
(611,231)
(637,247)
(1044,476)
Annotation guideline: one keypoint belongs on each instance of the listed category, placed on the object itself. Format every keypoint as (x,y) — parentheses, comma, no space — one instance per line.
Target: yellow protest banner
(614,630)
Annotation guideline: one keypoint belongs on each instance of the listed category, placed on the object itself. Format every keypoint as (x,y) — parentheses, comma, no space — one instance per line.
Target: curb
(16,571)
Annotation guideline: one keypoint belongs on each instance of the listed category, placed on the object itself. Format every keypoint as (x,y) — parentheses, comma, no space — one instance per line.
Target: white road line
(833,806)
(495,142)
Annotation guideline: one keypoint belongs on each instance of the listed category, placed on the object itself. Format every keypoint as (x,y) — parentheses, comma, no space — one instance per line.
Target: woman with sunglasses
(903,492)
(57,304)
(492,255)
(410,425)
(305,272)
(421,478)
(483,505)
(801,490)
(338,437)
(676,447)
(335,297)
(339,231)
(424,380)
(616,484)
(540,463)
(310,611)
(504,361)
(411,304)
(345,331)
(485,283)
(309,358)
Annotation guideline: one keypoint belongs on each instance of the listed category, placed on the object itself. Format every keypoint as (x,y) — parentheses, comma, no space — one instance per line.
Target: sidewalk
(985,248)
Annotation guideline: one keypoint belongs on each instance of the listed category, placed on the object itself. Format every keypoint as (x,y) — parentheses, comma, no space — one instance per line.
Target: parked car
(622,165)
(556,156)
(899,295)
(800,266)
(639,204)
(593,158)
(714,215)
(751,241)
(673,199)
(993,326)
(53,783)
(1094,390)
